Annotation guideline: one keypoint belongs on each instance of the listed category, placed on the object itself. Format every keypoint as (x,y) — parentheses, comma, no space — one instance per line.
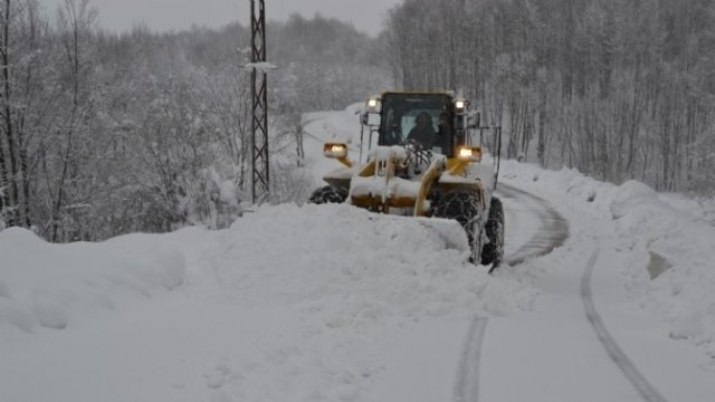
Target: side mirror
(371,119)
(475,121)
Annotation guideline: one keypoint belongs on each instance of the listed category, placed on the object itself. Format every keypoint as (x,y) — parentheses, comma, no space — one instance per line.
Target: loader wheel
(328,195)
(493,251)
(463,206)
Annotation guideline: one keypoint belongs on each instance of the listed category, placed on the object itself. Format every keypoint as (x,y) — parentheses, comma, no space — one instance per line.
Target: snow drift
(670,270)
(56,286)
(308,298)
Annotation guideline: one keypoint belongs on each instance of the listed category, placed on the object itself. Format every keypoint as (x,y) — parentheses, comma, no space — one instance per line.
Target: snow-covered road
(585,339)
(451,367)
(332,303)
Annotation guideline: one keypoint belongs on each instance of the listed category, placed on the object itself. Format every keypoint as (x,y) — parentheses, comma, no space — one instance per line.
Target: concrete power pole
(259,94)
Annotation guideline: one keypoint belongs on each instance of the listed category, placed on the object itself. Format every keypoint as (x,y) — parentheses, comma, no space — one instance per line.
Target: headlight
(460,106)
(469,154)
(373,105)
(335,150)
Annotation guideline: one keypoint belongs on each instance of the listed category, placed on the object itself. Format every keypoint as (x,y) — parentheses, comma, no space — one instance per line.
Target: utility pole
(259,94)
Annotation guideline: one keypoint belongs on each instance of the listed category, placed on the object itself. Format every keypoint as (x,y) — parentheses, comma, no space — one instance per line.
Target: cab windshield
(423,120)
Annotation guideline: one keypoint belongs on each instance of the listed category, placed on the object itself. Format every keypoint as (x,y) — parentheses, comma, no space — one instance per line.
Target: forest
(106,133)
(618,89)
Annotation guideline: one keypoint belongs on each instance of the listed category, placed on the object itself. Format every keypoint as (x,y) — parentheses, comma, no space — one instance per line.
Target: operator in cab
(422,134)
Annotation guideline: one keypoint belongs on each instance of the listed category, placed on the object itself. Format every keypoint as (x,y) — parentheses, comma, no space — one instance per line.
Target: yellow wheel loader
(423,160)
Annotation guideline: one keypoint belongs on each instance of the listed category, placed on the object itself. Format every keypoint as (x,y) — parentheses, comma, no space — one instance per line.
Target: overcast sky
(161,15)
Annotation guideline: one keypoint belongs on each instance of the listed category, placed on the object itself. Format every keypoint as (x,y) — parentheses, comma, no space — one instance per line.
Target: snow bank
(58,286)
(681,271)
(350,280)
(388,265)
(289,303)
(668,252)
(700,206)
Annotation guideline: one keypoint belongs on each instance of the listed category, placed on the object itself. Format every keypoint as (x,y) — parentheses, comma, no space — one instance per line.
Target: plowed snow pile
(290,303)
(56,286)
(670,252)
(371,264)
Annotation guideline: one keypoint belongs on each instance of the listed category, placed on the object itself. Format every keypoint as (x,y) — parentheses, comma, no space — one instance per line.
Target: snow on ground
(332,303)
(666,230)
(700,206)
(52,286)
(290,303)
(668,244)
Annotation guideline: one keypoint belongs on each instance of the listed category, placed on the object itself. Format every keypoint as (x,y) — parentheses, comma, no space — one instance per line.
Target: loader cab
(402,112)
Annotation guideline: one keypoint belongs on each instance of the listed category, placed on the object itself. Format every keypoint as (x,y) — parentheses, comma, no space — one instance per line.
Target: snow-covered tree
(618,89)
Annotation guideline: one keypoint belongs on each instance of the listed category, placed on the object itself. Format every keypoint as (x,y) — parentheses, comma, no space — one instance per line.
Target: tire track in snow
(553,232)
(466,388)
(641,384)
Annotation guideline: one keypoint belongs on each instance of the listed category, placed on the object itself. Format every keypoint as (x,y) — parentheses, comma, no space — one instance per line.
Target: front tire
(493,250)
(463,206)
(328,195)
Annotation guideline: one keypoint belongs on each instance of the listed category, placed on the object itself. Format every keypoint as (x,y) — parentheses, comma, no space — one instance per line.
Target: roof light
(461,105)
(373,104)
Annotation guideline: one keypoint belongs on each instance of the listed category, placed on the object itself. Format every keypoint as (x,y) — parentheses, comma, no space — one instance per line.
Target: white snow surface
(43,285)
(332,303)
(290,303)
(655,236)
